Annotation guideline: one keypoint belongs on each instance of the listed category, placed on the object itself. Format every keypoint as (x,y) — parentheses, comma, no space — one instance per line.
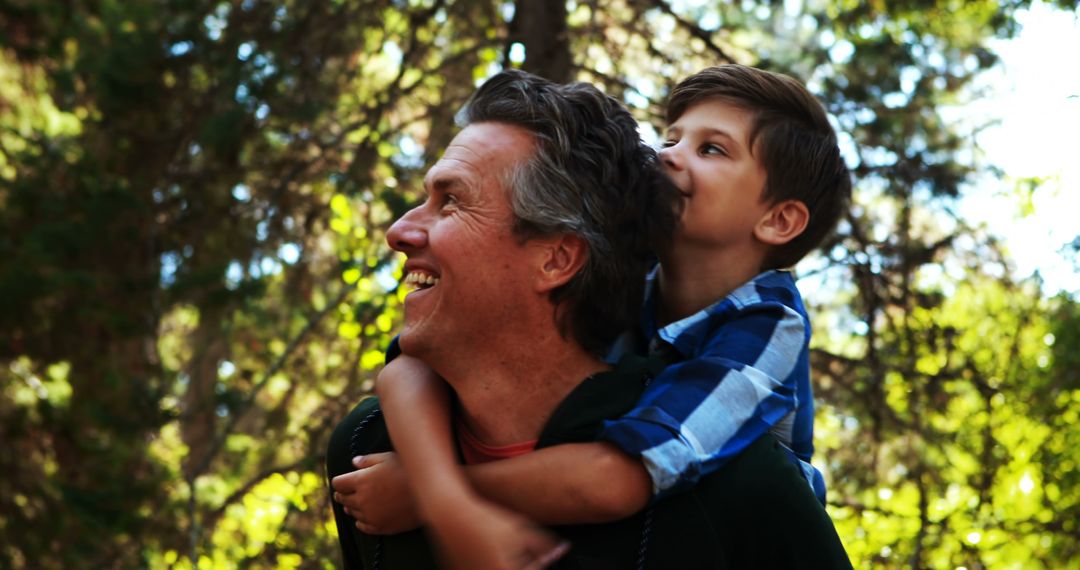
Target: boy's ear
(562,257)
(783,222)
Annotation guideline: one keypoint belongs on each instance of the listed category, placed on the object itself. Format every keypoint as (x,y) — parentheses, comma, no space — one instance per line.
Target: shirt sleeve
(699,413)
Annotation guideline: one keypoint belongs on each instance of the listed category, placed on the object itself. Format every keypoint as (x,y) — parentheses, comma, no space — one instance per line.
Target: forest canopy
(195,285)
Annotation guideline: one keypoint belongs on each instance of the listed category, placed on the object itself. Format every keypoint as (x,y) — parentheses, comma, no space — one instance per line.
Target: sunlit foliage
(194,285)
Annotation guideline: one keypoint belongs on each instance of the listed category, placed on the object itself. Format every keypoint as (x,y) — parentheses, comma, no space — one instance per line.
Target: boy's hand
(480,534)
(377,495)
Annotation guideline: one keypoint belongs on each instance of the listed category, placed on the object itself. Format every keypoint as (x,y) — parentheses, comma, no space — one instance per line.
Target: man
(529,254)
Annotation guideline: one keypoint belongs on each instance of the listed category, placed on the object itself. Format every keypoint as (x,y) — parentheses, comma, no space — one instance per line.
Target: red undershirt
(475,451)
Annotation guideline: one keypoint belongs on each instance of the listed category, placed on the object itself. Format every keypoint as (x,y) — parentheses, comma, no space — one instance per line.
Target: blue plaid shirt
(741,369)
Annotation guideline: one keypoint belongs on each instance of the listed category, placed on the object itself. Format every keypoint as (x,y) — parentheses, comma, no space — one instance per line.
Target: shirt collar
(683,334)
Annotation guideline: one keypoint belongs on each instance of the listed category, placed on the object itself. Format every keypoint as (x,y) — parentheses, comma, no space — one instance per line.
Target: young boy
(763,183)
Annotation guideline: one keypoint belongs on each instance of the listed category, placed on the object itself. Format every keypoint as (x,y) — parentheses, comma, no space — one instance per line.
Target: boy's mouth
(684,192)
(421,280)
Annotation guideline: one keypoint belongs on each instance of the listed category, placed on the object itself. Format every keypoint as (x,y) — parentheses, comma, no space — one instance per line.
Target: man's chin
(411,343)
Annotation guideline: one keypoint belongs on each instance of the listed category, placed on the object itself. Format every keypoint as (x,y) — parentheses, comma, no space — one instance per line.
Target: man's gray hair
(590,176)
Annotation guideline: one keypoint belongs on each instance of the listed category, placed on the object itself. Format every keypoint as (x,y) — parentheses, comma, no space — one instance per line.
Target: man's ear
(562,257)
(782,223)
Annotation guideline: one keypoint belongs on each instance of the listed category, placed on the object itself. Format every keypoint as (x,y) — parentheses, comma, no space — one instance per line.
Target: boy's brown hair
(792,139)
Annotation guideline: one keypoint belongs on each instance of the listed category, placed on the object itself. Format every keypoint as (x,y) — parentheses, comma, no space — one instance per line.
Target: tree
(195,284)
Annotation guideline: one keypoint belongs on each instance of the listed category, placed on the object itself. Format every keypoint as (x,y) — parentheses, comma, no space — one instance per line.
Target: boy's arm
(573,483)
(698,414)
(567,484)
(564,484)
(379,493)
(416,408)
(468,531)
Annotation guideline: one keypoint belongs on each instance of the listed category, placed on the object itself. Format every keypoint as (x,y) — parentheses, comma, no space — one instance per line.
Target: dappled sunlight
(196,286)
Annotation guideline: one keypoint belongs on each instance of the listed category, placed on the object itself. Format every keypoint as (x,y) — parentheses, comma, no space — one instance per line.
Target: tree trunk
(200,413)
(540,25)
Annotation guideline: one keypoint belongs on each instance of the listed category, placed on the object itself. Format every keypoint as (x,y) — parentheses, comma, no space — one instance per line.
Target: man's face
(707,153)
(463,258)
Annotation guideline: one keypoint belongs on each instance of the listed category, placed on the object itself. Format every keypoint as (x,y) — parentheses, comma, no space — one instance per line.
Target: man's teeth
(417,278)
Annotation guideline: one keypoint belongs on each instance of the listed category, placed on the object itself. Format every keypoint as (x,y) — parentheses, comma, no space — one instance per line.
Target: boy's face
(707,154)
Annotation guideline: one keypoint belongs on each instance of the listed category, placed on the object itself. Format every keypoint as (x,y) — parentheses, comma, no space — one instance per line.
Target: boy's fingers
(344,484)
(551,556)
(346,499)
(542,549)
(370,460)
(368,528)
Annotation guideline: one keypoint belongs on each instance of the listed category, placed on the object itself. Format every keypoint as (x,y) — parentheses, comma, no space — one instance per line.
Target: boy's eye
(668,143)
(713,149)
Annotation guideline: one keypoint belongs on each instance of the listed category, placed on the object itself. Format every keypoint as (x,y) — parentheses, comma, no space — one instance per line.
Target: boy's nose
(409,232)
(670,158)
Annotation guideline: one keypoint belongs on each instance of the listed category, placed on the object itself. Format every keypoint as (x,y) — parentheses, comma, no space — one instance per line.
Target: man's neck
(692,278)
(508,389)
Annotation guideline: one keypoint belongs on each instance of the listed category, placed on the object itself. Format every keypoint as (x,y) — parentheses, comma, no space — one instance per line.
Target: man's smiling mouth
(421,280)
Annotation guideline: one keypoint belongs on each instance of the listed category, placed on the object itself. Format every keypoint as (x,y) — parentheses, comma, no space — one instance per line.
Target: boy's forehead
(723,105)
(743,105)
(718,117)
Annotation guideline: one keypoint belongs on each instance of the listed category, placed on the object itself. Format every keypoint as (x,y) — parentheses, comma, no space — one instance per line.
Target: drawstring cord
(354,448)
(646,533)
(646,526)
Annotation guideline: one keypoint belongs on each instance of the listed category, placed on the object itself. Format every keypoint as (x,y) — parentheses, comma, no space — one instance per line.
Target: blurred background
(194,284)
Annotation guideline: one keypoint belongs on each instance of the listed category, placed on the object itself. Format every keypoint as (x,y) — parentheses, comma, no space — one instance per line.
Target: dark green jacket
(757,512)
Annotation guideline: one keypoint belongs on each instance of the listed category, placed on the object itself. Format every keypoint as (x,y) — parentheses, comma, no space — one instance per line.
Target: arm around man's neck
(572,483)
(563,484)
(468,531)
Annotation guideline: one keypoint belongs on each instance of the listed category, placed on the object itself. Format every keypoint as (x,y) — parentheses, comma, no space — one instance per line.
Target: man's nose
(409,232)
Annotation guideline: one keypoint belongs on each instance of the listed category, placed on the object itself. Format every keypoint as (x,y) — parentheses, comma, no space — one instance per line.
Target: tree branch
(694,30)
